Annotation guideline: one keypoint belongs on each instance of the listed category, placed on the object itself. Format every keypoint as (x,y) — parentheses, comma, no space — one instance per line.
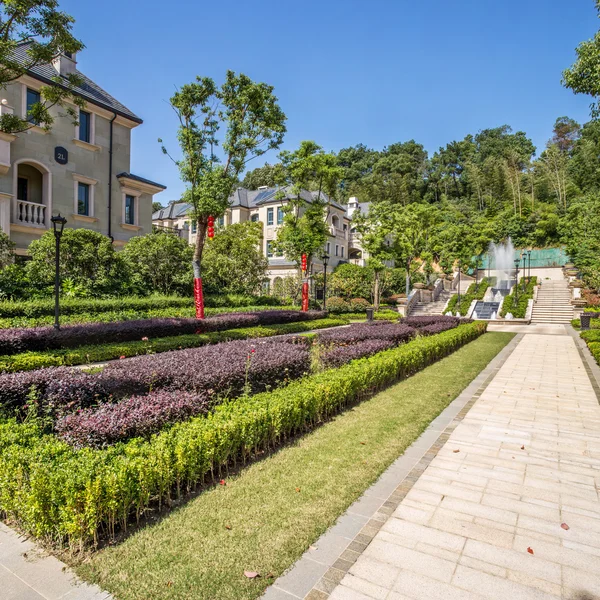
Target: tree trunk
(196,262)
(376,291)
(408,277)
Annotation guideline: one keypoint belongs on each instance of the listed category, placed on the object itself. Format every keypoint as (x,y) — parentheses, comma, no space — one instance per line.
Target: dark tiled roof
(254,198)
(126,175)
(88,89)
(173,211)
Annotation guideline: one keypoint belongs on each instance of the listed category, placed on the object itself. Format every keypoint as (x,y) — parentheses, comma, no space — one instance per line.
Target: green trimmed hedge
(28,361)
(74,496)
(520,310)
(472,293)
(381,315)
(73,306)
(592,339)
(128,315)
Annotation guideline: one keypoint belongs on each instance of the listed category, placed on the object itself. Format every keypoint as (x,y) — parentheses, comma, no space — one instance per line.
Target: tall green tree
(304,229)
(47,33)
(267,175)
(251,122)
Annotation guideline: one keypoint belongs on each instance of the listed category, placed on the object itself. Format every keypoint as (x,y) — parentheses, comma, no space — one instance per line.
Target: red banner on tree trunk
(305,296)
(198,298)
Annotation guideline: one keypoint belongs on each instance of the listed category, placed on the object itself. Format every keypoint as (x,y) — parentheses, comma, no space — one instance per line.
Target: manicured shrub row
(65,495)
(592,339)
(138,416)
(28,361)
(221,370)
(474,292)
(72,306)
(13,341)
(519,311)
(436,328)
(188,312)
(425,320)
(358,332)
(336,305)
(340,355)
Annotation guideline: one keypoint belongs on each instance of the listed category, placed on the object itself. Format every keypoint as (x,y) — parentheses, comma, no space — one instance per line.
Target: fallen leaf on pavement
(455,451)
(530,550)
(522,447)
(565,526)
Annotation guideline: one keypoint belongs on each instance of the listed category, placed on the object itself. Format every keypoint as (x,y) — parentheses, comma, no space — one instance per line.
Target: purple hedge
(340,355)
(219,370)
(16,340)
(359,332)
(436,328)
(134,417)
(425,320)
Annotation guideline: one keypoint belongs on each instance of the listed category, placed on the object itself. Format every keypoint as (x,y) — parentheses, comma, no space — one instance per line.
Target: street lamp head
(517,262)
(58,222)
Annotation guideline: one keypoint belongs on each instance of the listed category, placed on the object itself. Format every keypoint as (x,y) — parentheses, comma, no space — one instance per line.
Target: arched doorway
(32,193)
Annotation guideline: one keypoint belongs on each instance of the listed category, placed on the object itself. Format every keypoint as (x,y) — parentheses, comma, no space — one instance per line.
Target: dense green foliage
(592,339)
(474,292)
(66,495)
(520,310)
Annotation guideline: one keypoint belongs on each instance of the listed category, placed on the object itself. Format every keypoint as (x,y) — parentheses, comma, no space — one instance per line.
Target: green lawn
(265,517)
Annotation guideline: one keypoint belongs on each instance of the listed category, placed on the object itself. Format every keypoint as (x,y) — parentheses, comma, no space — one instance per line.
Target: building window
(328,247)
(83,199)
(269,216)
(194,226)
(129,209)
(337,250)
(22,188)
(279,215)
(85,126)
(345,227)
(254,218)
(33,98)
(221,221)
(270,249)
(342,250)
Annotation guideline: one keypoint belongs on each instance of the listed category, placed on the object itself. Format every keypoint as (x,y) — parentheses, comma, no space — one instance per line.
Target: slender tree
(39,27)
(249,116)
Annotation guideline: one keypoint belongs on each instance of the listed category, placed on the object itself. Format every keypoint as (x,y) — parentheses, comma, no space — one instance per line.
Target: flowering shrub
(17,340)
(375,330)
(134,417)
(340,355)
(219,370)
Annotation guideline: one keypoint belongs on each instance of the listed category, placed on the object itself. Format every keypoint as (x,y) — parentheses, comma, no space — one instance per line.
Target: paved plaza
(505,505)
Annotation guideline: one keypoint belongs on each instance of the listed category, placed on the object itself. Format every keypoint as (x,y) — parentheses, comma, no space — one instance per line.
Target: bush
(358,332)
(359,304)
(340,355)
(61,494)
(88,260)
(473,293)
(426,320)
(351,281)
(159,263)
(13,341)
(103,352)
(337,305)
(519,311)
(219,370)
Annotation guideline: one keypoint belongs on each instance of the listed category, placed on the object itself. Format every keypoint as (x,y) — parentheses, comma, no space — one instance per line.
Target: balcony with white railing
(32,214)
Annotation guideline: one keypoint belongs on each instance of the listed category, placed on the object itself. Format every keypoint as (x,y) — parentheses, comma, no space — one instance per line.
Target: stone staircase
(553,303)
(432,308)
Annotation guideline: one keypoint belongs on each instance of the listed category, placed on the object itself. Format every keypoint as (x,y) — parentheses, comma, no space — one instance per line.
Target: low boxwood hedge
(74,496)
(592,339)
(28,361)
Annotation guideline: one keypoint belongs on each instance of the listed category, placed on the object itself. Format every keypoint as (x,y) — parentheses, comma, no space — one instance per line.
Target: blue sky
(345,71)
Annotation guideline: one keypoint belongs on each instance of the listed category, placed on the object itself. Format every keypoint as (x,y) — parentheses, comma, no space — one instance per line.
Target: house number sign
(61,155)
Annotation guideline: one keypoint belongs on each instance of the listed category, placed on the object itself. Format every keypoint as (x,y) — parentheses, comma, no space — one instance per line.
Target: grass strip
(265,517)
(28,361)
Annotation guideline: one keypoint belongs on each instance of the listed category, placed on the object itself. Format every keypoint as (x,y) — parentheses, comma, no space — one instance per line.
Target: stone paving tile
(484,518)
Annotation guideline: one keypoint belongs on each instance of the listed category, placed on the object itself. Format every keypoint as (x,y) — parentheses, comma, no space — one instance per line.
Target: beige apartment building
(265,206)
(81,171)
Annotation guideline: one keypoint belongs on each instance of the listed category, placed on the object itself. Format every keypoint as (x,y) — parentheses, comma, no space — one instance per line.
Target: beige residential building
(81,171)
(265,206)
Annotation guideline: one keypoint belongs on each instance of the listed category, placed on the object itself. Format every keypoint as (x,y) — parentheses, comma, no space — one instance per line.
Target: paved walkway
(27,573)
(509,507)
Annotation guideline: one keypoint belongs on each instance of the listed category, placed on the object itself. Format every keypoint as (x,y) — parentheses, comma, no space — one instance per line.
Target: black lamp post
(517,263)
(529,263)
(58,223)
(325,258)
(524,257)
